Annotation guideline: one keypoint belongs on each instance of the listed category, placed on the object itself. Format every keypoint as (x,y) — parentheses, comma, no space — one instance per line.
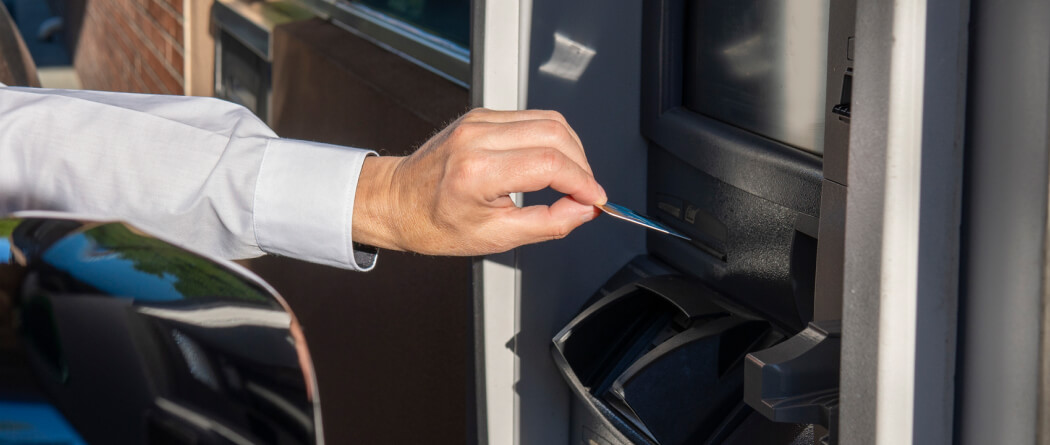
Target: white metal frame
(902,223)
(500,50)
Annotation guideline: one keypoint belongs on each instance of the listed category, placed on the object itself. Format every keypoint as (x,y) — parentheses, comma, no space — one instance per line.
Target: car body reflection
(134,340)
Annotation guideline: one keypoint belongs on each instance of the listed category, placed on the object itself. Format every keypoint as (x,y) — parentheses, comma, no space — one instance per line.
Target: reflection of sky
(30,422)
(108,271)
(5,250)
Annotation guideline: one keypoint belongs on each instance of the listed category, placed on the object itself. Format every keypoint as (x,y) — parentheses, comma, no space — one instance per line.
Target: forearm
(191,169)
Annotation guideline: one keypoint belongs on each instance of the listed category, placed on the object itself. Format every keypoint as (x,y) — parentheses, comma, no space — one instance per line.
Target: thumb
(541,223)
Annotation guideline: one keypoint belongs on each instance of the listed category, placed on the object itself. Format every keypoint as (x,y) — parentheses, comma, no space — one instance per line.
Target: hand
(451,197)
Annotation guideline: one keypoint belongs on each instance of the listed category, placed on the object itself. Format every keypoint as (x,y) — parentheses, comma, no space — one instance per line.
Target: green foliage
(7,226)
(195,275)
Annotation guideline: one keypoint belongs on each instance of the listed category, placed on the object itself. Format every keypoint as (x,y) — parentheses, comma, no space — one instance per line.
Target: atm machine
(731,337)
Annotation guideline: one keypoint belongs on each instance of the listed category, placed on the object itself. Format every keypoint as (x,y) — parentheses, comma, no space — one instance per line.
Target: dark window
(448,19)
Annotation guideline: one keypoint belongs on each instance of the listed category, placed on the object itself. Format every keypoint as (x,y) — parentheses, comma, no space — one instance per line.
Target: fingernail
(605,197)
(591,213)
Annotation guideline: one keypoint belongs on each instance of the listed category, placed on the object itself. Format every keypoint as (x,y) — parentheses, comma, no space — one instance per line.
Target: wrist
(375,219)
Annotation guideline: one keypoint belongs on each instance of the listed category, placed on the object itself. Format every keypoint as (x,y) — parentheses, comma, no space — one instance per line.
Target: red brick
(150,61)
(151,40)
(126,55)
(177,6)
(164,18)
(152,33)
(174,59)
(148,78)
(141,19)
(178,37)
(163,27)
(151,67)
(170,82)
(129,45)
(123,28)
(117,4)
(156,12)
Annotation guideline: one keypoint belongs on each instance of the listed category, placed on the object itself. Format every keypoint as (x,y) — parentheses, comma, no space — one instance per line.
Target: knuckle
(476,113)
(554,116)
(465,168)
(551,160)
(560,231)
(556,132)
(552,127)
(463,131)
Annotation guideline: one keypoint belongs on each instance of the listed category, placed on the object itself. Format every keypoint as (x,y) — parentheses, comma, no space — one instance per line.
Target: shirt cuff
(304,203)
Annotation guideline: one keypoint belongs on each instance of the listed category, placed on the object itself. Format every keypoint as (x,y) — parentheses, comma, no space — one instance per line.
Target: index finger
(531,133)
(532,169)
(497,116)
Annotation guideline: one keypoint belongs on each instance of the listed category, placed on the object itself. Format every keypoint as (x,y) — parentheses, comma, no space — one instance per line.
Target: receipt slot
(660,360)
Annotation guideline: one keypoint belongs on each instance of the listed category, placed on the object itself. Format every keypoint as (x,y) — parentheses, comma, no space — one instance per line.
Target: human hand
(451,197)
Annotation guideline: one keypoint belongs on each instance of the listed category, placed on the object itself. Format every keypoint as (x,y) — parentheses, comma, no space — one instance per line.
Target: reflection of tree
(195,276)
(7,226)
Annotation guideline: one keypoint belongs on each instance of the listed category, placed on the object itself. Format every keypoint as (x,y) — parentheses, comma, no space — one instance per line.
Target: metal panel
(599,95)
(1006,224)
(902,218)
(827,297)
(841,38)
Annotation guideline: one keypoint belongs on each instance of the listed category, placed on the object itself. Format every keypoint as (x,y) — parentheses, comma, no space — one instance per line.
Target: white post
(499,51)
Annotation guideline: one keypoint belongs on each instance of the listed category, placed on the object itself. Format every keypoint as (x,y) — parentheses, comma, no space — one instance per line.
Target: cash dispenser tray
(797,381)
(660,360)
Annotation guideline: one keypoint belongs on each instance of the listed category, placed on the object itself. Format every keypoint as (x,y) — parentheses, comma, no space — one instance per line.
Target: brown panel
(333,86)
(393,347)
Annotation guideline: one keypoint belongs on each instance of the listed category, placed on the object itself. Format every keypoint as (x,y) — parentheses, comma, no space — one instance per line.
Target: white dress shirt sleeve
(203,172)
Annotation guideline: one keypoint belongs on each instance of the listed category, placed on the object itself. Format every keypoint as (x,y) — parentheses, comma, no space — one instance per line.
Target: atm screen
(759,65)
(734,109)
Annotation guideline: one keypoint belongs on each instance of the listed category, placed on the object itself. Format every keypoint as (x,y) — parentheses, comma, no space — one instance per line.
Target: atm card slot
(707,232)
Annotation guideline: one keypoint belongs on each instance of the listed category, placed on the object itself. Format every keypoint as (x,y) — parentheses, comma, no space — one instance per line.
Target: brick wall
(127,45)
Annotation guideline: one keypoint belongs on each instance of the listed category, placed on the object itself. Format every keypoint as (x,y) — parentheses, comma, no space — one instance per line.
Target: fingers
(541,223)
(532,169)
(494,116)
(497,116)
(524,134)
(541,119)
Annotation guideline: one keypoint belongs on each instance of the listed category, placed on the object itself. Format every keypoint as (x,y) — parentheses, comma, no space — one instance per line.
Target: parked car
(109,335)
